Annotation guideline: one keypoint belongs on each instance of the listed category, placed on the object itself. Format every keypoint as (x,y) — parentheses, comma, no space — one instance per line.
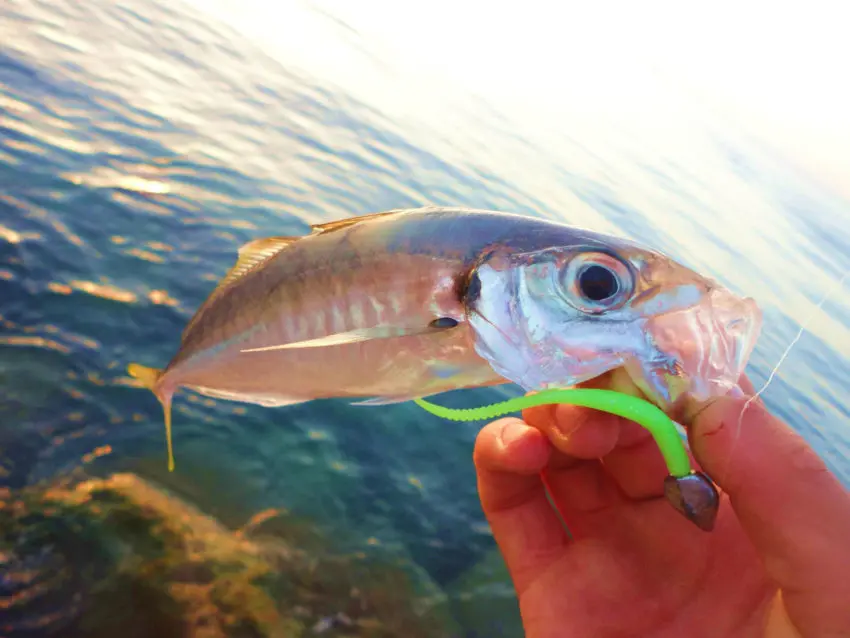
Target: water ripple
(142,142)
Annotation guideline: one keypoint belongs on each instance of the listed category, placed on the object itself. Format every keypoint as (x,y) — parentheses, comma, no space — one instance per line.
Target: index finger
(577,432)
(580,432)
(795,511)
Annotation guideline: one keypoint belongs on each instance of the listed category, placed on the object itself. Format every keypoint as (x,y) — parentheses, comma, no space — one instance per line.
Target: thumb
(795,512)
(509,456)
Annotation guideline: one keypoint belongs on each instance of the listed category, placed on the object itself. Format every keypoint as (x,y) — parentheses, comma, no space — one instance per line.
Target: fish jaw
(699,352)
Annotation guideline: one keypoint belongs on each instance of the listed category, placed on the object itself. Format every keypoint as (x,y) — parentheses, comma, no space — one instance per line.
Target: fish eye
(597,282)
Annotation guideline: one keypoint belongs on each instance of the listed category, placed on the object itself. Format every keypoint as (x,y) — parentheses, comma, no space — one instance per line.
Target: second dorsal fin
(254,253)
(250,256)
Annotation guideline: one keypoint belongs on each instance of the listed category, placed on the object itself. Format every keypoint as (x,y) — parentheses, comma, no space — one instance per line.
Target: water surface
(142,142)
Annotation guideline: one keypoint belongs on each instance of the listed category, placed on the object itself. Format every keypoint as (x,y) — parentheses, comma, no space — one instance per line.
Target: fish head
(556,317)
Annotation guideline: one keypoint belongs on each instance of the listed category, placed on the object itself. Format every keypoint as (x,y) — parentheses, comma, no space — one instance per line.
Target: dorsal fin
(344,223)
(250,256)
(257,252)
(254,253)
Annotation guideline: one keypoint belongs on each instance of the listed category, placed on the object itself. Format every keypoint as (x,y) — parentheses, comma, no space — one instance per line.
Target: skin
(776,565)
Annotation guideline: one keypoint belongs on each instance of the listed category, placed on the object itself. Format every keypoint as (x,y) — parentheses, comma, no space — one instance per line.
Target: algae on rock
(119,556)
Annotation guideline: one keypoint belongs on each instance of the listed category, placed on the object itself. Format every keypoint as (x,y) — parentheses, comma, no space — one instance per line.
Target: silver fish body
(412,303)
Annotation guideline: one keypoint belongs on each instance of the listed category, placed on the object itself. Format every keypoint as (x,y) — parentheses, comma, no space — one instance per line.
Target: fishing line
(803,327)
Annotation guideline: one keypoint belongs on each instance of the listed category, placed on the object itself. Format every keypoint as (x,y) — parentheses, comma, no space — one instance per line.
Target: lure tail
(149,378)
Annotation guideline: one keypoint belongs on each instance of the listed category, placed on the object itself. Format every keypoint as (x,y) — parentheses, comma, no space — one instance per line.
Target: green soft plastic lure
(691,493)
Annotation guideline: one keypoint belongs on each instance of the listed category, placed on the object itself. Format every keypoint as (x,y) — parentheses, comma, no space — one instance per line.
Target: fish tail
(149,378)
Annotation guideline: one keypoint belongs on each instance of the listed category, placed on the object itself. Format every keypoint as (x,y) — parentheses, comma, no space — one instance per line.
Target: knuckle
(802,458)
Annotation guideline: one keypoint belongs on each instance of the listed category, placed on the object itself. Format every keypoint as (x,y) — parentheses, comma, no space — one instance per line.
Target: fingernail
(563,435)
(512,431)
(565,430)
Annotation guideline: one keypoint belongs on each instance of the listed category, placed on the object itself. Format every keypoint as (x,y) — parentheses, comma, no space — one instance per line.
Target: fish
(405,304)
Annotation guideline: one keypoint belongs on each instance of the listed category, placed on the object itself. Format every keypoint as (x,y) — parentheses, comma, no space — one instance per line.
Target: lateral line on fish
(803,328)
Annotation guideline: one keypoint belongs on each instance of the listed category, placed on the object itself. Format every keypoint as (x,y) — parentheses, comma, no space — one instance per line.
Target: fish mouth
(698,353)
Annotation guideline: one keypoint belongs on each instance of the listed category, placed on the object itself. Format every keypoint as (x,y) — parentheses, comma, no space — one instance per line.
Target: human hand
(776,565)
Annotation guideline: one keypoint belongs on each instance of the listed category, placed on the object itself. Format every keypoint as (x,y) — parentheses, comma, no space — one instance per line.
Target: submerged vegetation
(119,556)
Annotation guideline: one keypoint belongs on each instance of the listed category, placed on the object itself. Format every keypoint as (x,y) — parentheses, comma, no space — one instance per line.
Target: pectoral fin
(383,401)
(265,400)
(364,334)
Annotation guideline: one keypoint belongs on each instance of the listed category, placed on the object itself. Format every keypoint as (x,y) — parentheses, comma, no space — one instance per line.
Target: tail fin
(149,377)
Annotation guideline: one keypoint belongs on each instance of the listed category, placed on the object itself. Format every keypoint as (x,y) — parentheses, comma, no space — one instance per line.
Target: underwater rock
(119,556)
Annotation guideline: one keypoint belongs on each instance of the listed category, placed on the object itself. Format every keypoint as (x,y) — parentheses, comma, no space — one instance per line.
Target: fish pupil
(598,283)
